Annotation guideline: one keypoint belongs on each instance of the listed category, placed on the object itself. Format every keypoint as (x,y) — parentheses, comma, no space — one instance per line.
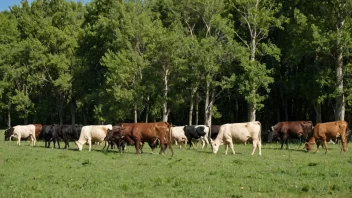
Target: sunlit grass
(27,171)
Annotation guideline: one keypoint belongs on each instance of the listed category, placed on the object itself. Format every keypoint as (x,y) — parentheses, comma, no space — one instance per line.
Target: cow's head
(79,145)
(215,146)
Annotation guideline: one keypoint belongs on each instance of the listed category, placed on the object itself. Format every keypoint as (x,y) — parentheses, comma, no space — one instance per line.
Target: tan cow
(238,133)
(92,133)
(23,131)
(324,132)
(178,135)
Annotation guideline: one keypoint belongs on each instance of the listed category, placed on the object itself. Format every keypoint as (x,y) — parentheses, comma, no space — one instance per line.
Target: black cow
(47,134)
(67,133)
(196,132)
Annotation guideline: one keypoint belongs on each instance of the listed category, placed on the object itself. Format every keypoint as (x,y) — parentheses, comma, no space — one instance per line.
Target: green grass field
(27,171)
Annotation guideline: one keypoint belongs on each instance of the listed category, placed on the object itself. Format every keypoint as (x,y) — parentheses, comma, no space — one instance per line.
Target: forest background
(185,61)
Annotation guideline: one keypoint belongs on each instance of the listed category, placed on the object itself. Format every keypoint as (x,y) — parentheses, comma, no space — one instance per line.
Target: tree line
(185,61)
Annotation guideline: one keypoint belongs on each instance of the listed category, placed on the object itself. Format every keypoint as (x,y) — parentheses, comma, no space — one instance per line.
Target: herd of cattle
(163,134)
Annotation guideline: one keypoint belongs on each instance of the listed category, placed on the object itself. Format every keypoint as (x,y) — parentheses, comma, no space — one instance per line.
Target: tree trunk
(190,112)
(251,104)
(197,109)
(135,113)
(207,103)
(147,111)
(166,87)
(340,99)
(251,112)
(9,115)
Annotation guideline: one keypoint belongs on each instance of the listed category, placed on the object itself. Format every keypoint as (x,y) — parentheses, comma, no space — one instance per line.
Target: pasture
(27,171)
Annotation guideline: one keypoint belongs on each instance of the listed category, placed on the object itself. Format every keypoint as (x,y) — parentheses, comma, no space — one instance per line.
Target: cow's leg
(226,148)
(19,140)
(231,146)
(286,144)
(344,143)
(282,143)
(318,144)
(162,145)
(254,145)
(326,146)
(206,142)
(35,140)
(259,142)
(137,145)
(90,143)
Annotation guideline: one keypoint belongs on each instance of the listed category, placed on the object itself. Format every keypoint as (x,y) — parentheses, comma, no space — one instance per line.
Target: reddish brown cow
(38,129)
(152,132)
(293,129)
(327,131)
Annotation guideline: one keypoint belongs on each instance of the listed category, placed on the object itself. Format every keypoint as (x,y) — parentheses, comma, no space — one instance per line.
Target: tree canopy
(185,61)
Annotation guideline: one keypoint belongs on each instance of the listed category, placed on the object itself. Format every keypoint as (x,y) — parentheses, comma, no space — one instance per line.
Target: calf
(95,133)
(115,137)
(324,132)
(238,133)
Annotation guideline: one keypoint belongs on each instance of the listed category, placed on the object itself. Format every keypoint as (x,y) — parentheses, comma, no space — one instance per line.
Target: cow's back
(177,131)
(241,132)
(331,129)
(98,132)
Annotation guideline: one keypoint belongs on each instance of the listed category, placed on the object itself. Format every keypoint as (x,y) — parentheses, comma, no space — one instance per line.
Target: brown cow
(38,129)
(152,132)
(293,129)
(327,131)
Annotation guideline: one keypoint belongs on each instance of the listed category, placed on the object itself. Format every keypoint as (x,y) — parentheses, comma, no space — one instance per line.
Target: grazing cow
(151,132)
(38,129)
(214,131)
(178,134)
(324,132)
(95,133)
(68,132)
(197,132)
(289,130)
(238,133)
(23,131)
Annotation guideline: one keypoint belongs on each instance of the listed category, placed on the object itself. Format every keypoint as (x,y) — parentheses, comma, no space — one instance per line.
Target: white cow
(239,133)
(178,135)
(24,131)
(92,133)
